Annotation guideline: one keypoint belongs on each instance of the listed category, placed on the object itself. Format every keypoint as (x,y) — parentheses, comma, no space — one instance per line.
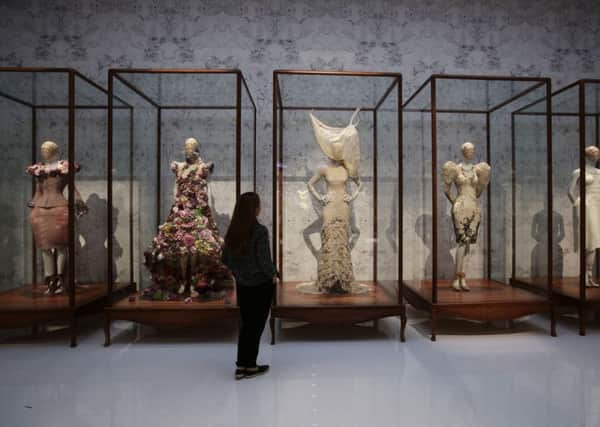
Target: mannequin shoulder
(483,167)
(35,169)
(175,166)
(483,171)
(449,172)
(322,170)
(589,178)
(63,167)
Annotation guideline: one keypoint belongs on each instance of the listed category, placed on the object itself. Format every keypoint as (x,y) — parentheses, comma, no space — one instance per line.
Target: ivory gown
(334,268)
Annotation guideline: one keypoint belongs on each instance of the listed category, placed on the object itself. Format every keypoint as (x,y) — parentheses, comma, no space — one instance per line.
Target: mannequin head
(468,151)
(49,151)
(337,150)
(592,153)
(191,149)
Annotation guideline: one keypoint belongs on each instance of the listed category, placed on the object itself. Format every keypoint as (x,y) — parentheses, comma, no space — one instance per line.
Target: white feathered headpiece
(326,135)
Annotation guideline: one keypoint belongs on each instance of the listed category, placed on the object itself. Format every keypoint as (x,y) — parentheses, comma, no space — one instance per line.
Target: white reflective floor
(360,376)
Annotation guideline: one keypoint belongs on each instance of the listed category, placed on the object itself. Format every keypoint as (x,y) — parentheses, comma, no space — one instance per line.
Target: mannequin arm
(573,191)
(353,196)
(447,188)
(311,186)
(37,190)
(449,174)
(80,206)
(561,230)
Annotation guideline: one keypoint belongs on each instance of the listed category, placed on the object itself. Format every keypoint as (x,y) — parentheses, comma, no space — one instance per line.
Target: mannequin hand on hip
(325,199)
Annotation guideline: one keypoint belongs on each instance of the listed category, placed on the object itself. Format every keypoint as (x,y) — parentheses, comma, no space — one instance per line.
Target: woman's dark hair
(242,222)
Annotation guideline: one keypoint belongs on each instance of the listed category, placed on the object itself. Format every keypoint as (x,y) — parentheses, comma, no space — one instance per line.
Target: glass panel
(525,137)
(476,94)
(388,192)
(125,189)
(565,159)
(248,142)
(17,134)
(417,222)
(307,91)
(592,138)
(192,105)
(135,183)
(47,88)
(186,89)
(90,124)
(305,221)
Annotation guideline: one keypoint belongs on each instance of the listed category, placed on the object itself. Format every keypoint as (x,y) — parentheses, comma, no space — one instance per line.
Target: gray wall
(559,39)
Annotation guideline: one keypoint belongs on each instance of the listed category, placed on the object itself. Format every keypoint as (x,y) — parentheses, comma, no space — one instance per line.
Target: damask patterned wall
(555,38)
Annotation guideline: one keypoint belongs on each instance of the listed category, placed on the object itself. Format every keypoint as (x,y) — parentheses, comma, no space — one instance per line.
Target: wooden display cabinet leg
(73,331)
(553,321)
(403,322)
(581,316)
(106,330)
(272,327)
(433,325)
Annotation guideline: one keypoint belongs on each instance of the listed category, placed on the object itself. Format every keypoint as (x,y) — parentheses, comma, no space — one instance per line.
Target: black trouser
(255,303)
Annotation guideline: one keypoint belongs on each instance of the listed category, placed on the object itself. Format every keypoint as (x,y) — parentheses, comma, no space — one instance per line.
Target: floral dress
(189,236)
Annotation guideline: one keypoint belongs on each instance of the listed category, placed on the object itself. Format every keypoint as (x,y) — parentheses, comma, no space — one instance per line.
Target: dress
(190,235)
(334,265)
(592,207)
(49,216)
(466,209)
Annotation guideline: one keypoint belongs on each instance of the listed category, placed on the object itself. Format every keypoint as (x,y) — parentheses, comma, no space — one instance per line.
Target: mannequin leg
(48,262)
(193,267)
(61,260)
(183,267)
(590,256)
(459,262)
(49,270)
(463,281)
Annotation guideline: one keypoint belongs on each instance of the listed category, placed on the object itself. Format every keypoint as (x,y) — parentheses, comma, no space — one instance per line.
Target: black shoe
(240,373)
(256,371)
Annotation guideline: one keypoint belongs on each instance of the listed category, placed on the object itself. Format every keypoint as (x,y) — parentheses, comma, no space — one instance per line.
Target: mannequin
(470,180)
(341,146)
(592,209)
(49,217)
(184,257)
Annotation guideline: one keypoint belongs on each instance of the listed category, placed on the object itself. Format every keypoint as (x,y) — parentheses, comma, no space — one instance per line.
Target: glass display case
(54,197)
(575,138)
(473,235)
(178,159)
(336,196)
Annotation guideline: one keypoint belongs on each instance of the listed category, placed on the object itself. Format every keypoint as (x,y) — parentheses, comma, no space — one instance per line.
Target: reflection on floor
(321,376)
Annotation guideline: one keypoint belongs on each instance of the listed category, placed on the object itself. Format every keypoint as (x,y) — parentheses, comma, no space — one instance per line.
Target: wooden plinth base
(168,314)
(382,302)
(565,292)
(27,306)
(488,300)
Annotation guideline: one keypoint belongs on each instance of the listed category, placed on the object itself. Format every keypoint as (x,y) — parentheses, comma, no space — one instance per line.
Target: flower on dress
(206,234)
(188,240)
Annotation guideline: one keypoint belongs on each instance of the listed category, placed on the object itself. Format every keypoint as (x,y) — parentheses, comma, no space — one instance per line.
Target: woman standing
(247,254)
